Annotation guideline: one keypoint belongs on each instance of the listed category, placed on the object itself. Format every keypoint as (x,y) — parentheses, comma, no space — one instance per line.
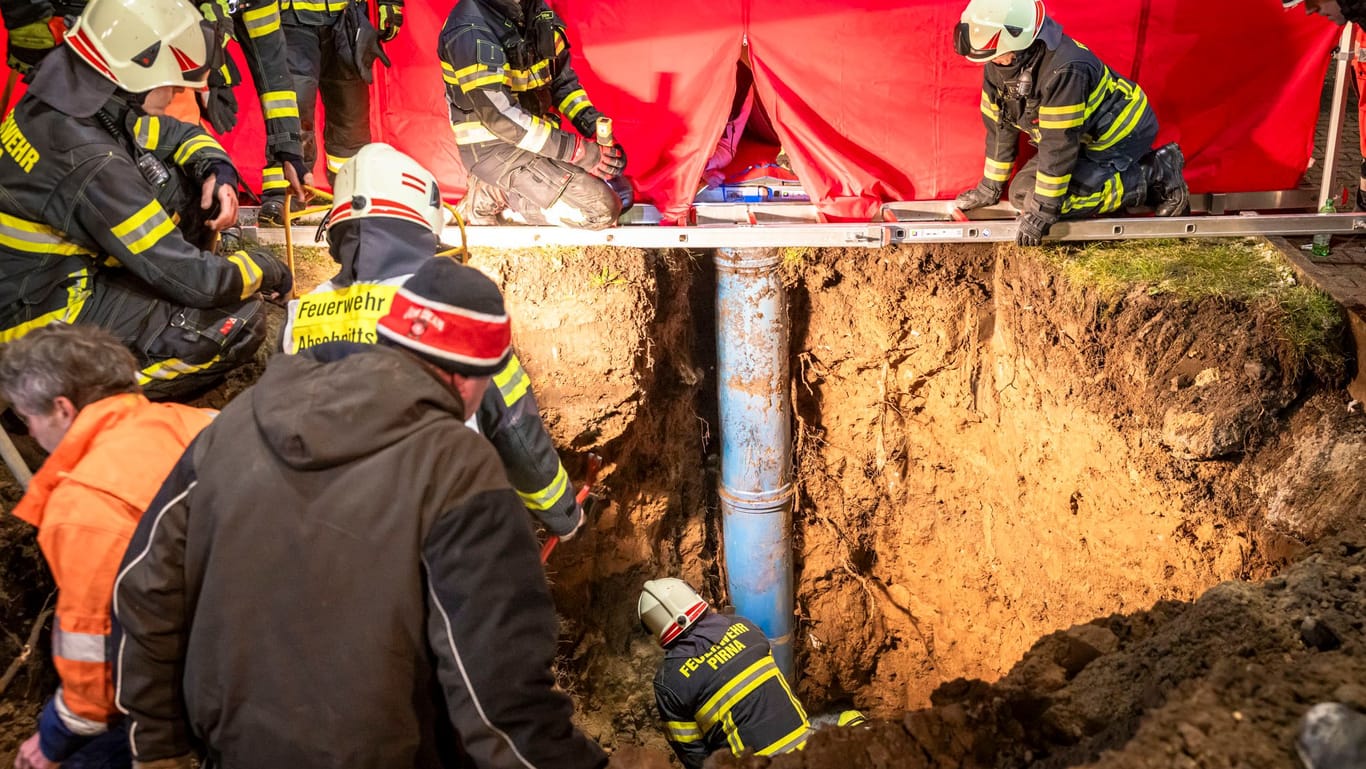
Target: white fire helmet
(145,44)
(669,606)
(989,28)
(381,181)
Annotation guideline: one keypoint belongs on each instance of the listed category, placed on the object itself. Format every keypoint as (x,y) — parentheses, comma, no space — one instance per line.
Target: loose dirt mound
(1218,682)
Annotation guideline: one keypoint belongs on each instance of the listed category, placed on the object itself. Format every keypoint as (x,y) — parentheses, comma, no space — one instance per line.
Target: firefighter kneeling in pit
(719,685)
(383,227)
(84,238)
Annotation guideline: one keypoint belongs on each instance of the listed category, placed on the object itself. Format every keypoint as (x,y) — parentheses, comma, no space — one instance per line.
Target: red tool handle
(590,478)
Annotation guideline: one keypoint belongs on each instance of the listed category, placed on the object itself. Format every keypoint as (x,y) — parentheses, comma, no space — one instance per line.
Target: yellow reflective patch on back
(345,314)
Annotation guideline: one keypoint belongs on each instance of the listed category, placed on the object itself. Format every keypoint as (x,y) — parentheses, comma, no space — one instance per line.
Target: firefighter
(87,240)
(1094,128)
(76,388)
(36,27)
(508,81)
(331,50)
(384,226)
(718,686)
(339,573)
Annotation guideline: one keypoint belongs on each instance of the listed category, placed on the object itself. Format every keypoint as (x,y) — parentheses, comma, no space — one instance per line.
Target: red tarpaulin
(867,96)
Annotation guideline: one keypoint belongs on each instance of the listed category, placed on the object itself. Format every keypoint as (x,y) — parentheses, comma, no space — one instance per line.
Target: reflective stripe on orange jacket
(86,500)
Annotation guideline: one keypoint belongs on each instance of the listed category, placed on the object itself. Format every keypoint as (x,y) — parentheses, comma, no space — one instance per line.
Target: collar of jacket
(378,248)
(337,405)
(89,436)
(512,10)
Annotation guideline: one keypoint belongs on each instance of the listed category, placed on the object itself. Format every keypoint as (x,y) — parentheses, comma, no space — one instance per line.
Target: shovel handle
(590,478)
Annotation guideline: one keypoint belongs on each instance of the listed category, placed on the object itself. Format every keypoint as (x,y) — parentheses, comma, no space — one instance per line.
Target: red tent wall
(870,102)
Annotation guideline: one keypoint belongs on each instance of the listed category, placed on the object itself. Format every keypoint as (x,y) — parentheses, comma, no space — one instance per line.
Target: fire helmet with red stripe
(990,28)
(145,44)
(668,607)
(381,181)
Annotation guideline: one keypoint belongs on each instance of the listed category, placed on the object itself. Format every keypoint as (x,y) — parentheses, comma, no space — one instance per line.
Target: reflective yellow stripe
(529,79)
(143,229)
(791,741)
(548,496)
(251,273)
(448,74)
(1066,109)
(262,21)
(737,745)
(148,131)
(536,136)
(472,132)
(474,76)
(575,103)
(1099,93)
(34,238)
(273,178)
(1051,186)
(682,731)
(279,104)
(512,381)
(997,171)
(850,718)
(172,368)
(719,704)
(335,162)
(194,145)
(76,294)
(990,109)
(1124,124)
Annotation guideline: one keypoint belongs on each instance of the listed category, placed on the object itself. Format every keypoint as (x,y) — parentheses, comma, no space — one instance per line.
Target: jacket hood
(316,413)
(379,248)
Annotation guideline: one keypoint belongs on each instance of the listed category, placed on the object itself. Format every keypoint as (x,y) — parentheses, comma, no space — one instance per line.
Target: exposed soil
(986,454)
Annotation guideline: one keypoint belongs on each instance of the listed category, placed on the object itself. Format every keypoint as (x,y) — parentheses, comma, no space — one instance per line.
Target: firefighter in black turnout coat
(84,194)
(719,686)
(508,80)
(1094,128)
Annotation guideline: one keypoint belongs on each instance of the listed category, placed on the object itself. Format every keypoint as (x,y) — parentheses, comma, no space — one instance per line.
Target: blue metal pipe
(756,442)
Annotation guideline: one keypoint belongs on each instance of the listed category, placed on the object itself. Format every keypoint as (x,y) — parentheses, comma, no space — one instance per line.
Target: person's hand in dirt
(31,756)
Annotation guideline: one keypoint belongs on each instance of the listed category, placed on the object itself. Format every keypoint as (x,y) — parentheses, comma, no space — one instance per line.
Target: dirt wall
(988,454)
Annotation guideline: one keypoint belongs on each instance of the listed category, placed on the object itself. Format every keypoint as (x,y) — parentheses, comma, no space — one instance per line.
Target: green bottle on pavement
(1322,241)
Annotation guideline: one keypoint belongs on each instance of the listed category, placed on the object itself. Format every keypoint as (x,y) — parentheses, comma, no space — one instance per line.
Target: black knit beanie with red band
(452,316)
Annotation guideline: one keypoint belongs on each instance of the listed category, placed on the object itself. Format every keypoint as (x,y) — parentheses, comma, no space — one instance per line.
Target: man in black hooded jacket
(337,575)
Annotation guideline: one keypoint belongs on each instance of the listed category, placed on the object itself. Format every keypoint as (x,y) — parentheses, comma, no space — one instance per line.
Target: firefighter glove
(29,44)
(1032,226)
(219,106)
(986,193)
(602,161)
(579,518)
(275,275)
(390,19)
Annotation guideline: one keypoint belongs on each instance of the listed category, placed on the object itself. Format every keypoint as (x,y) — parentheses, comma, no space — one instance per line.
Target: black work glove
(275,275)
(601,161)
(219,106)
(390,19)
(29,44)
(1032,226)
(986,193)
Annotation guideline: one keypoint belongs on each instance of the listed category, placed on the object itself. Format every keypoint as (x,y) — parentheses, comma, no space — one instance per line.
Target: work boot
(1361,200)
(483,204)
(1167,191)
(271,213)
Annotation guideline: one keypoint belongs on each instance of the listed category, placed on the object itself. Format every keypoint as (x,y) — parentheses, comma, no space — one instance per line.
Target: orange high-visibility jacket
(86,500)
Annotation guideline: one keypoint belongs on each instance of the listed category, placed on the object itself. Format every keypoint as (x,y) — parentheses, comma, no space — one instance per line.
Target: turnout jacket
(73,203)
(508,77)
(377,255)
(336,574)
(1066,101)
(85,500)
(719,687)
